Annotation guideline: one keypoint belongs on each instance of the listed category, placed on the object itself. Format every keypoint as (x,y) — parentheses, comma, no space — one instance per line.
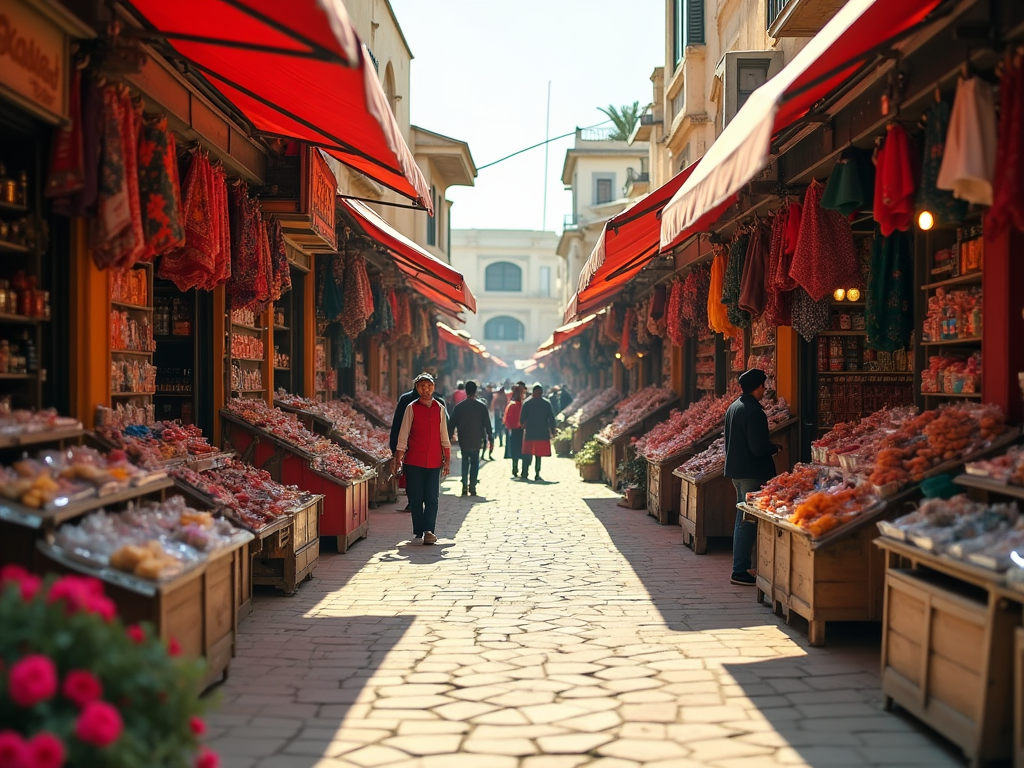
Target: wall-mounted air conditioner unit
(742,73)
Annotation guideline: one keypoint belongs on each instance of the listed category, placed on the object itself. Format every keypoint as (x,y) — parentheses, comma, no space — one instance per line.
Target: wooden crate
(611,455)
(707,507)
(663,489)
(591,473)
(839,581)
(582,434)
(284,558)
(947,647)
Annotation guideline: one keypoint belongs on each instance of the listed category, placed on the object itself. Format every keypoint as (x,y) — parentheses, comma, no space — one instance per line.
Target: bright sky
(481,72)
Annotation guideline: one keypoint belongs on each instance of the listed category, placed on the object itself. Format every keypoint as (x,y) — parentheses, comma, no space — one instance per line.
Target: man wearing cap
(748,463)
(426,453)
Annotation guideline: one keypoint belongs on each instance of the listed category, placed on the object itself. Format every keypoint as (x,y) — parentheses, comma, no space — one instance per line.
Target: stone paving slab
(548,628)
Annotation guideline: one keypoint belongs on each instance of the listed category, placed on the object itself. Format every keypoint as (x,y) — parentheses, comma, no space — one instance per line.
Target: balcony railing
(772,10)
(601,133)
(570,221)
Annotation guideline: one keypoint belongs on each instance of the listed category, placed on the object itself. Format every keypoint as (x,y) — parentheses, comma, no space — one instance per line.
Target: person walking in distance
(514,441)
(538,422)
(498,404)
(472,421)
(425,452)
(396,426)
(748,463)
(459,394)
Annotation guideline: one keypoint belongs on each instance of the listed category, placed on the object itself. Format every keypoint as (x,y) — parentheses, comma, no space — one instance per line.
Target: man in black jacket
(748,463)
(472,419)
(396,424)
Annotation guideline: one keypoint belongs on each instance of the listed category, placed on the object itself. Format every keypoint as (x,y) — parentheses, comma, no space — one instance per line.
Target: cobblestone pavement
(548,628)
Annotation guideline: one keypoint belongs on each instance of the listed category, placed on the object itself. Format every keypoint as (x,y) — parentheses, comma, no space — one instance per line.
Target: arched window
(389,88)
(503,276)
(504,328)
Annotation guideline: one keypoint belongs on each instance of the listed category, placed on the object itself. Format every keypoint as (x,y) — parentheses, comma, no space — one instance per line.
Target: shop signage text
(32,58)
(321,191)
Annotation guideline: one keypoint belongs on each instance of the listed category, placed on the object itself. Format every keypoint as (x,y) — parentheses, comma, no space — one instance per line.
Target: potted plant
(587,460)
(78,688)
(633,471)
(563,442)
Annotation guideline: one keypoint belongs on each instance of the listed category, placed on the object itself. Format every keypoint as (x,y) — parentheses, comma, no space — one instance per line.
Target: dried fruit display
(380,406)
(160,443)
(631,411)
(351,426)
(328,457)
(823,510)
(19,421)
(683,428)
(1008,468)
(711,461)
(600,402)
(578,402)
(247,495)
(863,435)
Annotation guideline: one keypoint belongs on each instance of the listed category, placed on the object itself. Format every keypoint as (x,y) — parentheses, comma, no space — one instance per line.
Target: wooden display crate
(948,639)
(613,452)
(288,556)
(707,507)
(591,473)
(199,609)
(663,489)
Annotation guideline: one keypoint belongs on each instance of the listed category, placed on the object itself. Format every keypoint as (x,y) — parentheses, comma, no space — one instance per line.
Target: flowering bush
(78,688)
(590,453)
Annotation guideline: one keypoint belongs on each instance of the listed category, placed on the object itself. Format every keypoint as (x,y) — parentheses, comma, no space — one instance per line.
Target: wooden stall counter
(949,634)
(613,452)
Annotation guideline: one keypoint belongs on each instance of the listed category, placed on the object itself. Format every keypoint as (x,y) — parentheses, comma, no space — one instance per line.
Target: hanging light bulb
(618,356)
(853,294)
(839,295)
(925,220)
(639,354)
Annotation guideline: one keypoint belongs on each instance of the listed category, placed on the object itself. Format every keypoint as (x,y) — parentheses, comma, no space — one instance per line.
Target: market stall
(272,440)
(586,420)
(815,555)
(637,413)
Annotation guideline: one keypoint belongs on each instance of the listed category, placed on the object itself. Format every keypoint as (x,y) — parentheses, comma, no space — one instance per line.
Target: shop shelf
(173,338)
(13,247)
(764,346)
(132,394)
(952,342)
(172,394)
(248,327)
(248,391)
(865,373)
(9,317)
(281,368)
(970,277)
(126,305)
(968,395)
(281,328)
(843,333)
(137,353)
(13,207)
(18,376)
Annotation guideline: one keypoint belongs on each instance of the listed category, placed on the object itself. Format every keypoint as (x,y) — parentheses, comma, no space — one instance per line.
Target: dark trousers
(744,533)
(536,465)
(499,429)
(423,487)
(470,466)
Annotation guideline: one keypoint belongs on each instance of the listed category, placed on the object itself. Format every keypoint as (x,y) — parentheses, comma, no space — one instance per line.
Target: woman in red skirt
(538,420)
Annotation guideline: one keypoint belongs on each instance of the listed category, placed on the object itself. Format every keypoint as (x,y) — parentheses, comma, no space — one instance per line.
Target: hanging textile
(332,302)
(851,185)
(643,336)
(81,203)
(778,308)
(244,250)
(968,163)
(718,318)
(279,251)
(794,215)
(67,157)
(674,314)
(696,288)
(159,191)
(732,284)
(382,319)
(941,203)
(192,264)
(222,218)
(889,311)
(358,295)
(627,325)
(825,258)
(753,296)
(895,181)
(810,317)
(656,312)
(1008,184)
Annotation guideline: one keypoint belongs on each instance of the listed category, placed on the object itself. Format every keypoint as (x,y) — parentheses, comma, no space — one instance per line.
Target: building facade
(603,176)
(518,279)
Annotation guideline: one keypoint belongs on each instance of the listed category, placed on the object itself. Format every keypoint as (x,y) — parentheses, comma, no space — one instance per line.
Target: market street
(556,630)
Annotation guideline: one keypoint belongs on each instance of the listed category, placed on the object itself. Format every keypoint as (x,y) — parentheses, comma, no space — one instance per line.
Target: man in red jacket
(426,453)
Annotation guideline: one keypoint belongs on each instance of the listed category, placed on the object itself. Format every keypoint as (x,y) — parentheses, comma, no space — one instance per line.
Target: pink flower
(99,724)
(47,751)
(14,751)
(81,687)
(11,572)
(136,634)
(174,647)
(101,605)
(30,587)
(206,759)
(77,592)
(33,679)
(197,726)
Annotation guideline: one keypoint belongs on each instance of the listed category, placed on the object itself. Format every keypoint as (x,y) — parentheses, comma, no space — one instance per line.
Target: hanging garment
(158,190)
(753,296)
(222,259)
(656,311)
(244,248)
(191,265)
(282,271)
(825,258)
(67,157)
(129,246)
(810,317)
(778,308)
(889,311)
(794,215)
(851,185)
(332,301)
(674,315)
(1008,184)
(718,316)
(114,212)
(895,182)
(694,309)
(968,165)
(731,285)
(940,202)
(81,203)
(624,345)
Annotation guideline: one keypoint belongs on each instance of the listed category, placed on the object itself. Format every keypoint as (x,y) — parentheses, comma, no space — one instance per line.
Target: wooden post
(221,385)
(90,332)
(309,336)
(786,373)
(1002,344)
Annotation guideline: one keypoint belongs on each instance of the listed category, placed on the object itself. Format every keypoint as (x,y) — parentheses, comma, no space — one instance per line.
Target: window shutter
(695,22)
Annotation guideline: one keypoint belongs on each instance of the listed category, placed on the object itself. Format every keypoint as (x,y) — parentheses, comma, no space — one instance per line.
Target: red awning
(451,336)
(498,362)
(295,70)
(853,38)
(430,276)
(566,332)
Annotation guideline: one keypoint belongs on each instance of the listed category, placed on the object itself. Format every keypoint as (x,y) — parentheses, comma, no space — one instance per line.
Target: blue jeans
(423,487)
(744,534)
(470,467)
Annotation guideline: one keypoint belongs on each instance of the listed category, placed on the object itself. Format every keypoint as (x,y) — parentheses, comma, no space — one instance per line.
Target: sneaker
(464,492)
(536,478)
(417,538)
(429,537)
(491,457)
(740,579)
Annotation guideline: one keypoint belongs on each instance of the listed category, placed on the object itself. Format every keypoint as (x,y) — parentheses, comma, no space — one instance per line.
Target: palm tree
(624,118)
